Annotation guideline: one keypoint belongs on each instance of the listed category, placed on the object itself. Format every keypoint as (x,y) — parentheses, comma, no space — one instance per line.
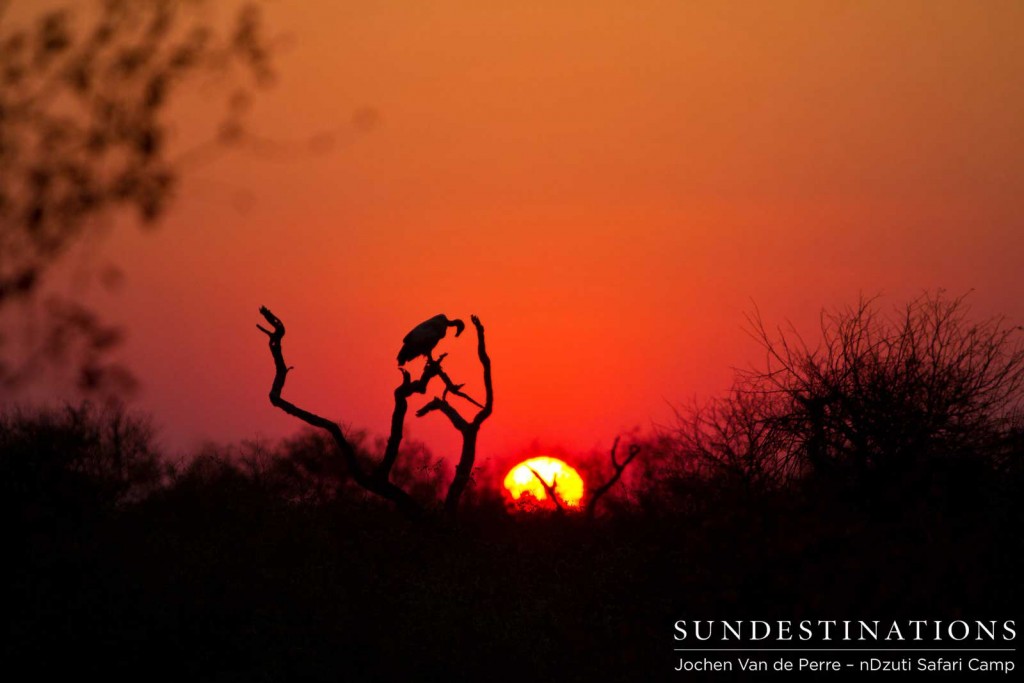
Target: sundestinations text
(846,630)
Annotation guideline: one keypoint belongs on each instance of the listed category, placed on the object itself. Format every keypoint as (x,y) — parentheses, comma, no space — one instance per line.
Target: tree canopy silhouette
(876,397)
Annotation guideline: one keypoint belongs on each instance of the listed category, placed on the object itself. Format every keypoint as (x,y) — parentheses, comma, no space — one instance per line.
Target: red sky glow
(610,186)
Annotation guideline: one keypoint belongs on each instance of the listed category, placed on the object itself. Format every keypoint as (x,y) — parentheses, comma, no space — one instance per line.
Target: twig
(549,489)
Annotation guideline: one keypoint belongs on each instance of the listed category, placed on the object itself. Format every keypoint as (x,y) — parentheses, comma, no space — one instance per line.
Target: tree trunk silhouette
(403,391)
(468,428)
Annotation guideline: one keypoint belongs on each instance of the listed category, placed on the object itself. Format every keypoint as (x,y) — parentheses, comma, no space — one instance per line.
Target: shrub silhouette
(878,401)
(58,463)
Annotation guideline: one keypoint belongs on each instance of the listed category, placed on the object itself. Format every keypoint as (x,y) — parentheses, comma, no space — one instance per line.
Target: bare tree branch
(485,361)
(381,486)
(451,387)
(440,404)
(403,391)
(549,489)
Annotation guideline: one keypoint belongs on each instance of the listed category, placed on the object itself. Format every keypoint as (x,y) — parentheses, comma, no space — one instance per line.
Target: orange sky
(609,185)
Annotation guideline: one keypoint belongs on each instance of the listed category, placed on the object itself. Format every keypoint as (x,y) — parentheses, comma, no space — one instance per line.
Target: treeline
(875,472)
(922,402)
(89,459)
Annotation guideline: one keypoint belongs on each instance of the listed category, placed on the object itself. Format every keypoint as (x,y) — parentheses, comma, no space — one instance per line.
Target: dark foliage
(880,404)
(59,466)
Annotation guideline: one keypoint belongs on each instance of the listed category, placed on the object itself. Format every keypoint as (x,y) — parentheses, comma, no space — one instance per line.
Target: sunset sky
(609,185)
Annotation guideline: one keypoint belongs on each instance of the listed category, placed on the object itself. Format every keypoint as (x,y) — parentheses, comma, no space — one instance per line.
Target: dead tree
(468,428)
(378,480)
(619,468)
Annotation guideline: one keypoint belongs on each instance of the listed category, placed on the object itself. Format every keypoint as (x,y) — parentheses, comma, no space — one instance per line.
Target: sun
(563,478)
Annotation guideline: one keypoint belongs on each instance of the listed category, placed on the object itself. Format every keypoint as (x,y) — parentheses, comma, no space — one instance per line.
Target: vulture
(424,337)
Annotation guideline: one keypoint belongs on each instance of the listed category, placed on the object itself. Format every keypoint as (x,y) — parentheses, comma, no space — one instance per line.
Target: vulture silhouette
(425,336)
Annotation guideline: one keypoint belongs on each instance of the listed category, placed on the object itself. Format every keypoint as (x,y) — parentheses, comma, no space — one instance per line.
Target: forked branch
(550,489)
(403,391)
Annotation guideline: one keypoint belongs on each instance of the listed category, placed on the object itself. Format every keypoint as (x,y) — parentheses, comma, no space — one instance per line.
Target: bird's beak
(459,326)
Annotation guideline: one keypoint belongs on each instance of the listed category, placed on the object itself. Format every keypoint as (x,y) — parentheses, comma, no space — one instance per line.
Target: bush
(878,400)
(75,459)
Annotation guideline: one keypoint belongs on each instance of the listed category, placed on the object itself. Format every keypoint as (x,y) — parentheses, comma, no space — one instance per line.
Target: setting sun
(561,477)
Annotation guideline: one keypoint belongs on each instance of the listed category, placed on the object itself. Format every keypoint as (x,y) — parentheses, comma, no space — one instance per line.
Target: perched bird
(424,337)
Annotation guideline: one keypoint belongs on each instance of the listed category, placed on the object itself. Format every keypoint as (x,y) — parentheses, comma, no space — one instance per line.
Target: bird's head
(458,325)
